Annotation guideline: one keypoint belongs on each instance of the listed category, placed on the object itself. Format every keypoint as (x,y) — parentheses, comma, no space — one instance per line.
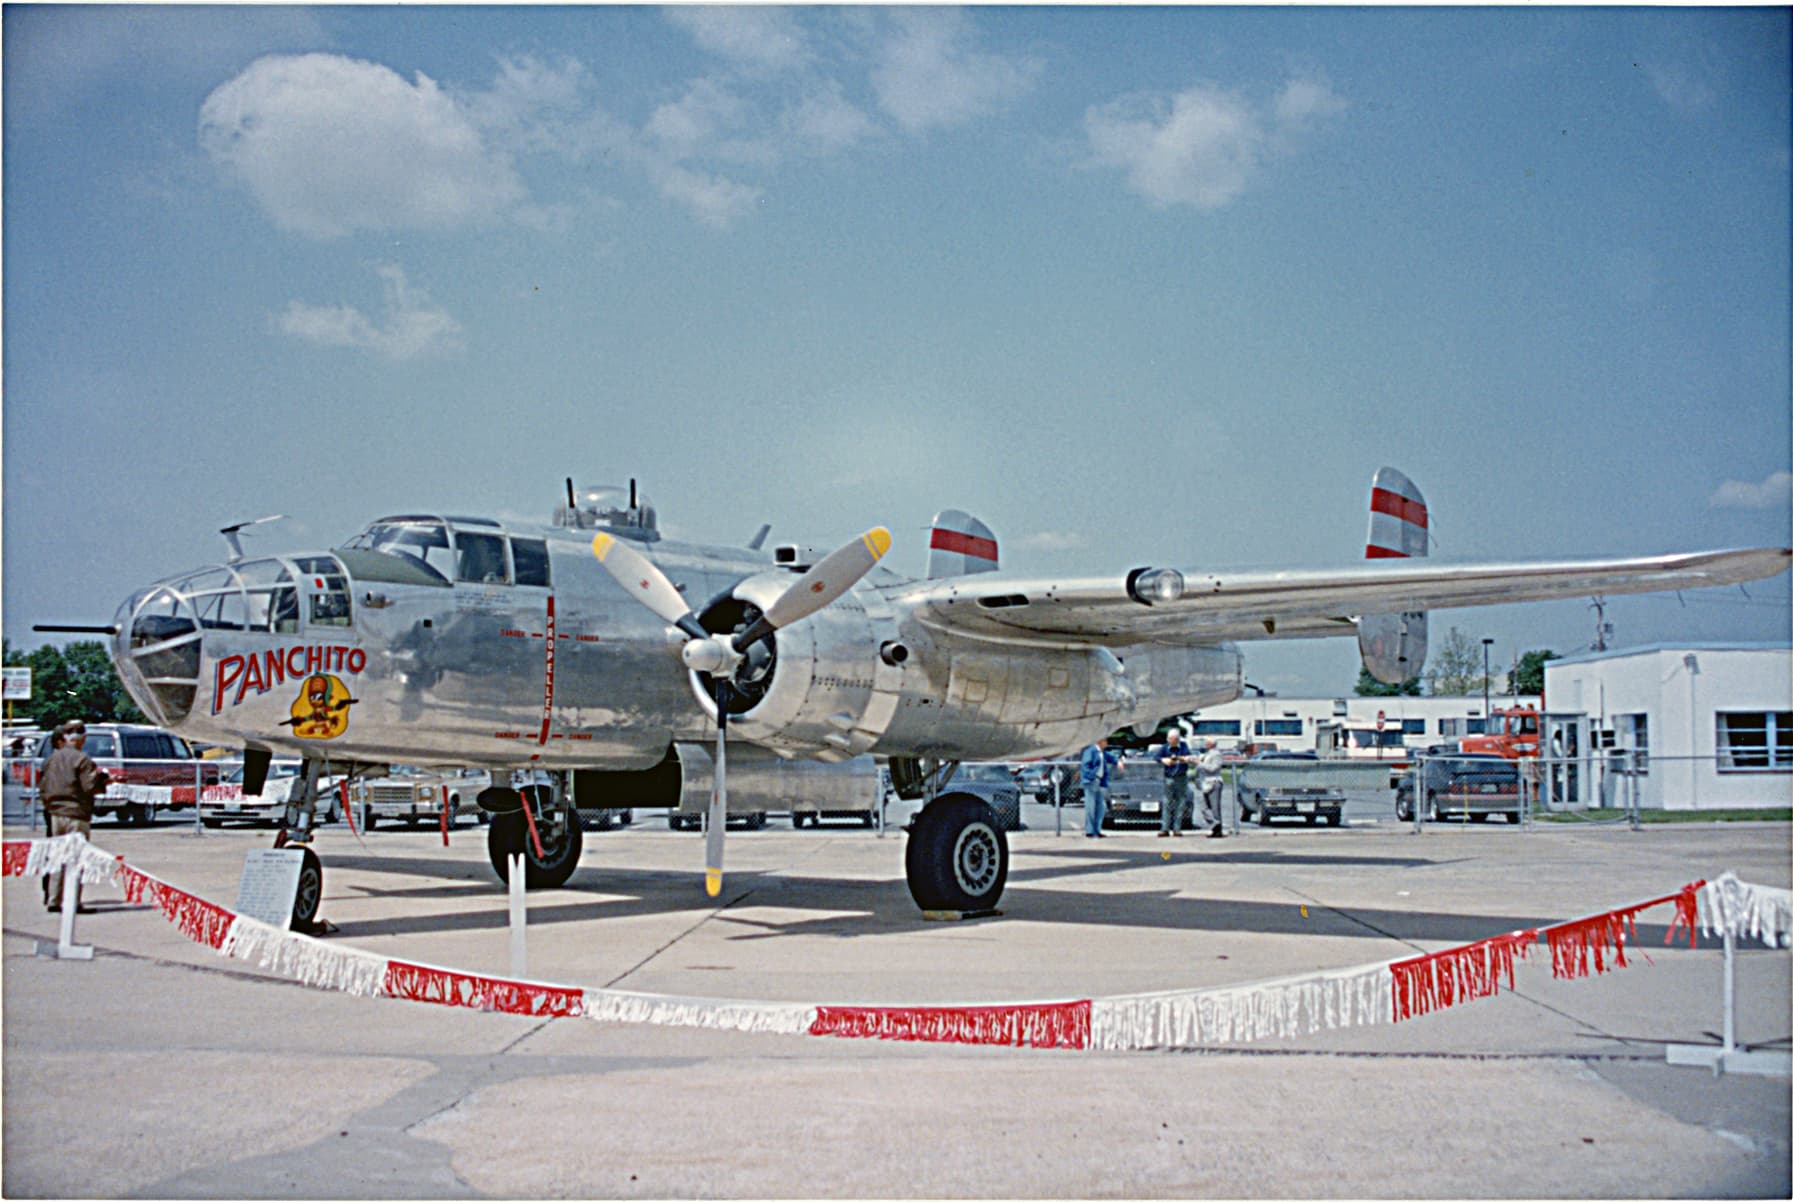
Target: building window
(1413,726)
(1279,727)
(1633,732)
(1212,727)
(1755,741)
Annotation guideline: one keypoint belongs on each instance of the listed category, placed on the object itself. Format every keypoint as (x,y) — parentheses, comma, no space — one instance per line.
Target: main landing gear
(958,857)
(555,825)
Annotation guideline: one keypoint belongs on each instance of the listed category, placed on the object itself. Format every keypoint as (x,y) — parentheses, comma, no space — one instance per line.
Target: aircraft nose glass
(158,652)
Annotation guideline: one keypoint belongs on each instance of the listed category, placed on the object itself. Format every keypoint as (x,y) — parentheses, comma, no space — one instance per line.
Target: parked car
(595,819)
(995,785)
(1136,792)
(1461,786)
(226,801)
(417,795)
(680,820)
(1286,799)
(136,755)
(1037,780)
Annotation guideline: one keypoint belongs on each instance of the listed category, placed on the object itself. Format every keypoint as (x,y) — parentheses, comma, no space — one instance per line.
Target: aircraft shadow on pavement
(860,908)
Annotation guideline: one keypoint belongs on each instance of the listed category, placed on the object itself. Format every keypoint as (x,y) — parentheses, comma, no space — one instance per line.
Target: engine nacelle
(828,692)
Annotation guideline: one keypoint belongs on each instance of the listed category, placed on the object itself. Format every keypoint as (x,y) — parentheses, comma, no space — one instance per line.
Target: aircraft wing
(1296,604)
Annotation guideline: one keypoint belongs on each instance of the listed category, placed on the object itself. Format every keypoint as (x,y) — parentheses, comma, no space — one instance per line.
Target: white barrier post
(65,947)
(519,918)
(198,795)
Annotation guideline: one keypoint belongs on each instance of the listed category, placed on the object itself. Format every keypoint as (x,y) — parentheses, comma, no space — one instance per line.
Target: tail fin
(960,545)
(1393,646)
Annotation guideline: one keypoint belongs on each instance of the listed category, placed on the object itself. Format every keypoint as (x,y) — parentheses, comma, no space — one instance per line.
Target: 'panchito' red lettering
(235,664)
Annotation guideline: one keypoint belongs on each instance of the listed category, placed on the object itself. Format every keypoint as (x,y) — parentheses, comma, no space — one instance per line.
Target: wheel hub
(975,859)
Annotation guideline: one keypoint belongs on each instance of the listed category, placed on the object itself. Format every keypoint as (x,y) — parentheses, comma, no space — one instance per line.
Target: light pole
(1487,714)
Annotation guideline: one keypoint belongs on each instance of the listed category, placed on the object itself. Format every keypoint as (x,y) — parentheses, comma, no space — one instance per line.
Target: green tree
(1529,678)
(77,681)
(1456,669)
(1369,686)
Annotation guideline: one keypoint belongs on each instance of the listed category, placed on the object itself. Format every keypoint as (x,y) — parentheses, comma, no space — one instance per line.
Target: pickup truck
(416,795)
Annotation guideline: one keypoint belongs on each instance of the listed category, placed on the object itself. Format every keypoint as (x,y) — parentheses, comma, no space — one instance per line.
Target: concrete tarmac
(160,1069)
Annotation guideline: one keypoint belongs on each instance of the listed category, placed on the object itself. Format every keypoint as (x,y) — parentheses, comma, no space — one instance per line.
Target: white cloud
(412,327)
(928,76)
(1203,145)
(712,199)
(1776,491)
(331,145)
(767,39)
(1302,101)
(1686,88)
(825,122)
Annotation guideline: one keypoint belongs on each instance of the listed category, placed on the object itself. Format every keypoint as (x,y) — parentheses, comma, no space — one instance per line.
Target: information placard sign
(270,883)
(18,684)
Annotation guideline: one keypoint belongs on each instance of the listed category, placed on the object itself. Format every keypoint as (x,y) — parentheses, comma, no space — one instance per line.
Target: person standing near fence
(1207,782)
(1093,772)
(71,780)
(1175,759)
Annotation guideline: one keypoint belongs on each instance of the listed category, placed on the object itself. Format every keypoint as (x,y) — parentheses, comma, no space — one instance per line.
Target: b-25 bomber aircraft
(629,669)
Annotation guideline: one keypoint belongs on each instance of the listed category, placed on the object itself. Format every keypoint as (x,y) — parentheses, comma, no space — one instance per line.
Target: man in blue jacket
(1093,772)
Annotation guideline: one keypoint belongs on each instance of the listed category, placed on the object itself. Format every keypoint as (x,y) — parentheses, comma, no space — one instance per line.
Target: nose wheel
(958,857)
(561,837)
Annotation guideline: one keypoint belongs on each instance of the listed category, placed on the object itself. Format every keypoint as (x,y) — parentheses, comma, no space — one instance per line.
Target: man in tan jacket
(70,782)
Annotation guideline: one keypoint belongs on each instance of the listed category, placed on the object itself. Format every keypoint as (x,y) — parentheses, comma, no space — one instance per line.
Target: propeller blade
(831,576)
(718,827)
(647,583)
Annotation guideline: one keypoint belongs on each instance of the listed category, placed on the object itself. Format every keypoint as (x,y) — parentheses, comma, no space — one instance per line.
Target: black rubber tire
(368,820)
(958,857)
(1312,819)
(1478,817)
(870,819)
(1431,807)
(756,822)
(1263,813)
(1335,819)
(673,823)
(509,833)
(310,895)
(1403,811)
(796,820)
(1512,817)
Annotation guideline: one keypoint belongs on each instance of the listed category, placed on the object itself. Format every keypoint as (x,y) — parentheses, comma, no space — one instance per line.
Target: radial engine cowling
(816,688)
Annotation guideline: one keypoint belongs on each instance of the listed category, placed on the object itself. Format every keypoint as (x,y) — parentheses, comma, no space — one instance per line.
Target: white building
(1710,725)
(1295,723)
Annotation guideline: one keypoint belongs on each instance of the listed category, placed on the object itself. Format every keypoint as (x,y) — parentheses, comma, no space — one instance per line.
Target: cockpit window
(530,556)
(218,599)
(329,590)
(273,599)
(422,539)
(479,558)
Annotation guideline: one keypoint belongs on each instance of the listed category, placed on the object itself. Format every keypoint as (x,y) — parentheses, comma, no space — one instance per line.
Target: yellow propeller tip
(877,541)
(712,882)
(601,544)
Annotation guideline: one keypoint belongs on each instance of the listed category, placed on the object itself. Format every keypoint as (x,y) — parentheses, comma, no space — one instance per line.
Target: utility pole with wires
(1602,628)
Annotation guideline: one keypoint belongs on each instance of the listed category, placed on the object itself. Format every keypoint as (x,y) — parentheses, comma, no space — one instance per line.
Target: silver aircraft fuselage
(510,646)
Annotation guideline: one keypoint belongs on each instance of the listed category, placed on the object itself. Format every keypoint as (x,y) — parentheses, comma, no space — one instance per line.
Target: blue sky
(1134,286)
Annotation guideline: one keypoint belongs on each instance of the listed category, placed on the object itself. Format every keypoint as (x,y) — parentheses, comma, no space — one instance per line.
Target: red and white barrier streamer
(1390,991)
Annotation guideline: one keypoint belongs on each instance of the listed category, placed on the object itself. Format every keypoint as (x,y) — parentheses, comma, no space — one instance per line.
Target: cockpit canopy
(160,628)
(609,506)
(422,549)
